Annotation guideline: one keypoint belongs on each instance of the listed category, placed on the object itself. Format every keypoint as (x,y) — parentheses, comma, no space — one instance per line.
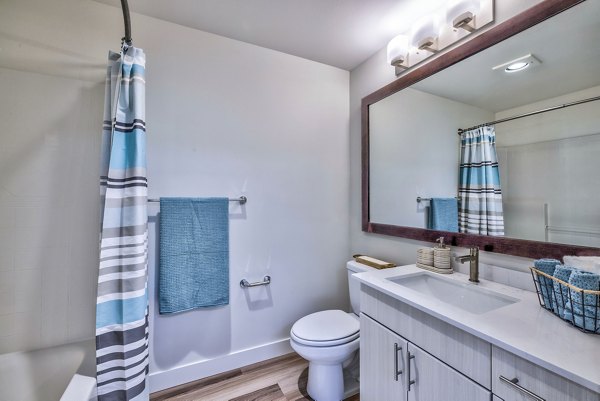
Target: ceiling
(567,46)
(341,33)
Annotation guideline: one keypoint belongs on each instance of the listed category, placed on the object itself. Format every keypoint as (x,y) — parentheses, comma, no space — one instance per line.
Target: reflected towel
(443,214)
(546,285)
(194,253)
(584,308)
(561,293)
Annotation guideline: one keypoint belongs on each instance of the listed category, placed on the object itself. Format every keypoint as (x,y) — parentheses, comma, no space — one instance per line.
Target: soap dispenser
(441,255)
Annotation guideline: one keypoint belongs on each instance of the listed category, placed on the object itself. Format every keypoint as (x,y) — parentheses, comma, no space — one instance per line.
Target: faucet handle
(441,241)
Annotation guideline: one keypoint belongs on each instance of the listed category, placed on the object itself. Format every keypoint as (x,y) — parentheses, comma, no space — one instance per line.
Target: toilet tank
(354,284)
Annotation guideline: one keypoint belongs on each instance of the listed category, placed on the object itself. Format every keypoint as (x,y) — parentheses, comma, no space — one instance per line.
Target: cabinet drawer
(532,381)
(464,352)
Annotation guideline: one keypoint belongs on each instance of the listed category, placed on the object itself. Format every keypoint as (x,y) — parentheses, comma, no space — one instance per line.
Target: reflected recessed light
(518,64)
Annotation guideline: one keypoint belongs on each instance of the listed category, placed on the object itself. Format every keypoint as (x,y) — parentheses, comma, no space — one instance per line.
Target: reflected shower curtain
(122,302)
(479,189)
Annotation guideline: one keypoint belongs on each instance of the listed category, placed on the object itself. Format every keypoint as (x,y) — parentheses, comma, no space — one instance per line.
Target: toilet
(328,340)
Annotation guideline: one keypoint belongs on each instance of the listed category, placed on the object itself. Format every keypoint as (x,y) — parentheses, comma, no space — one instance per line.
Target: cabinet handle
(396,371)
(410,382)
(523,390)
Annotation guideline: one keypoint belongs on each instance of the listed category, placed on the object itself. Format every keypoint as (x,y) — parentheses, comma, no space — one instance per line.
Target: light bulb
(521,65)
(461,13)
(397,50)
(425,33)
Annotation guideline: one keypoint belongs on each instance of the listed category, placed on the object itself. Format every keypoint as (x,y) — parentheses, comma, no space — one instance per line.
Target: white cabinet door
(382,363)
(432,380)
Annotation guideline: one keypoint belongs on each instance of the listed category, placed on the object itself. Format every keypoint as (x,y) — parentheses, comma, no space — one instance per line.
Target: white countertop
(523,328)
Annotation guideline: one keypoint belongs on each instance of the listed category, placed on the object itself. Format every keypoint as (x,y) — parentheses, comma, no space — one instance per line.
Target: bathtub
(65,373)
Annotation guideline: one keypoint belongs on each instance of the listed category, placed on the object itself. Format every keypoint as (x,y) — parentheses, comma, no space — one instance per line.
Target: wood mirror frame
(511,246)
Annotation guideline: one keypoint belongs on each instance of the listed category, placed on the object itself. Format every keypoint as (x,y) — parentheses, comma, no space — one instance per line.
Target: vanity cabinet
(466,353)
(393,369)
(515,379)
(409,355)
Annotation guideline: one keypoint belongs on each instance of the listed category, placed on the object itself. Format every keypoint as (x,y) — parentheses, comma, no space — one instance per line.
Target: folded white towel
(587,263)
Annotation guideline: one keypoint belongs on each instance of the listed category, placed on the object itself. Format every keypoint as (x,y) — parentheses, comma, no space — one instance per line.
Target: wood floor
(278,379)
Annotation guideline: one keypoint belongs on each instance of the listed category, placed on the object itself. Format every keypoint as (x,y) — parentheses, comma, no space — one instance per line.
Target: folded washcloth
(443,214)
(561,292)
(583,309)
(194,253)
(546,285)
(587,263)
(546,265)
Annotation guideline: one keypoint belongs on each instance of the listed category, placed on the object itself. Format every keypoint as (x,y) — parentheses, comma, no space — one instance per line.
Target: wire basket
(579,307)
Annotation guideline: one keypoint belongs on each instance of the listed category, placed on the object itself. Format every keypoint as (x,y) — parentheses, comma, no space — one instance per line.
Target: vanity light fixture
(461,14)
(438,30)
(397,51)
(518,64)
(425,34)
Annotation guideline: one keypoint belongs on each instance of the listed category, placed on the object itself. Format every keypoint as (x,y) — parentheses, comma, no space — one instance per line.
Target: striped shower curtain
(122,302)
(479,190)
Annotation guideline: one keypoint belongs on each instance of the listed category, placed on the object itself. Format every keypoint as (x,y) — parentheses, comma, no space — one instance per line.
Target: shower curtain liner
(122,300)
(480,210)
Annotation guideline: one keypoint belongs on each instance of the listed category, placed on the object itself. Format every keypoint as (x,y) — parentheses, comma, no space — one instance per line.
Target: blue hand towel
(561,292)
(546,285)
(194,253)
(581,309)
(443,214)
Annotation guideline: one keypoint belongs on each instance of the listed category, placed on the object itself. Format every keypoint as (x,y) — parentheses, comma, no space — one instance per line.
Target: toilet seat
(326,328)
(330,343)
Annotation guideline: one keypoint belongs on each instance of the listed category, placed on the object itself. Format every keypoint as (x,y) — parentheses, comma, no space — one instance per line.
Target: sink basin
(465,296)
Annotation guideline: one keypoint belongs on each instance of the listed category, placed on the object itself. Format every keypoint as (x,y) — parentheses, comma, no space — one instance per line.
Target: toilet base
(325,382)
(325,368)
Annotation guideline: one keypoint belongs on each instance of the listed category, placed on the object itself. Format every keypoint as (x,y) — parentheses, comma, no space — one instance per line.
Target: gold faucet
(473,258)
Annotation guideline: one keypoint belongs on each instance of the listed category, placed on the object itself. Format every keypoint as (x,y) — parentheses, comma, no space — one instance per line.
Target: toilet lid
(327,326)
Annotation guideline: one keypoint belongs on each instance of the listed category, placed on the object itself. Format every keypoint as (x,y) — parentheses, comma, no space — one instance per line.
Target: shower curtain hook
(125,44)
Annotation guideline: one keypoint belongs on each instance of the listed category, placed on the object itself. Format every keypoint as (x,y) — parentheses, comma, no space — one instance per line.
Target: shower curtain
(479,189)
(122,299)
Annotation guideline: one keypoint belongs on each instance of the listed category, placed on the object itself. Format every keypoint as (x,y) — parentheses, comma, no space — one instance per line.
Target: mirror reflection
(505,143)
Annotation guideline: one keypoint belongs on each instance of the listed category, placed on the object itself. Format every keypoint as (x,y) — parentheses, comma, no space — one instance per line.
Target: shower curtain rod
(532,113)
(127,21)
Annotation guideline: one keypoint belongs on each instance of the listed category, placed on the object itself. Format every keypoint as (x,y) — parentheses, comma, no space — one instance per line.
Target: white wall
(564,145)
(224,118)
(414,150)
(366,78)
(272,128)
(49,147)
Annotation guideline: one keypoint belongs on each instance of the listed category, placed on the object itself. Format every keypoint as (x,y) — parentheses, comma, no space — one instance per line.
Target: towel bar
(245,284)
(419,199)
(242,200)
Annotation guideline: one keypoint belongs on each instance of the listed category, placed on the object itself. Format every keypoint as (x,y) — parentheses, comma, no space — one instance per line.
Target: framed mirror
(495,143)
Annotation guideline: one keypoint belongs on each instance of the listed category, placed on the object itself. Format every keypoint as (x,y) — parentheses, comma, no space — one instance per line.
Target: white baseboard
(198,370)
